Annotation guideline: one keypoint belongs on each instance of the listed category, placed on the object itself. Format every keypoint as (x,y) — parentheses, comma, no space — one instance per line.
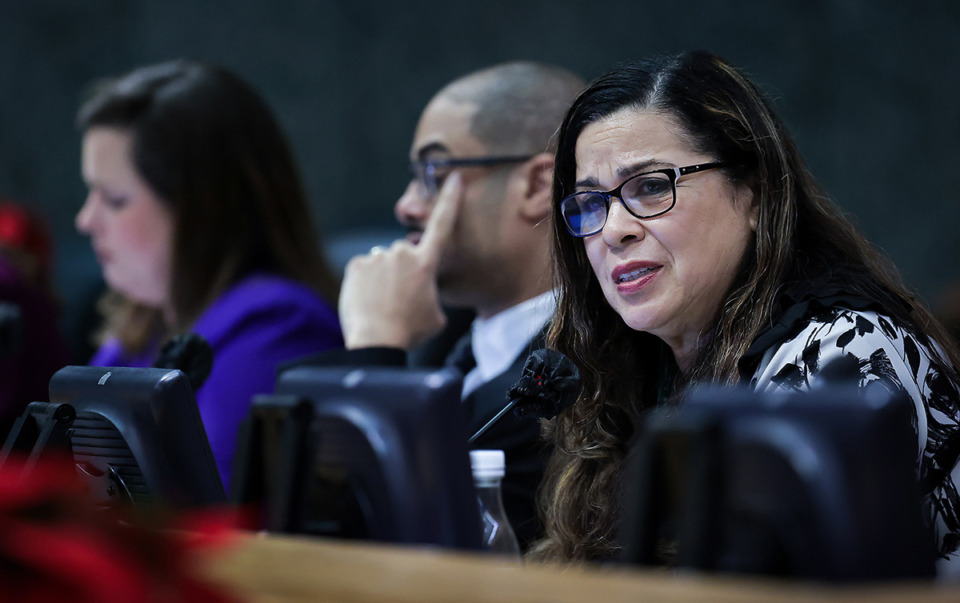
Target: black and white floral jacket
(792,356)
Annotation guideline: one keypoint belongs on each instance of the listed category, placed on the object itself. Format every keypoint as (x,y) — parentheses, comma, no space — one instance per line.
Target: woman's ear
(537,183)
(748,198)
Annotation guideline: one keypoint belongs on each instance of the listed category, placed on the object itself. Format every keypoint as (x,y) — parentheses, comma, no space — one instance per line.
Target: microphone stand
(496,418)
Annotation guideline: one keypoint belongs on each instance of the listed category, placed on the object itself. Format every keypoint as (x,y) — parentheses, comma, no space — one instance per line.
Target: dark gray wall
(869,89)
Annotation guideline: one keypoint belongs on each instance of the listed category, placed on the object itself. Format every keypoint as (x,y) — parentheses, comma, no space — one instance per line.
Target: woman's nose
(621,227)
(85,217)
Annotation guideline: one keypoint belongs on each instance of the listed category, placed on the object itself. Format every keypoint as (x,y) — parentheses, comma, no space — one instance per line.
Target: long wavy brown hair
(209,146)
(801,235)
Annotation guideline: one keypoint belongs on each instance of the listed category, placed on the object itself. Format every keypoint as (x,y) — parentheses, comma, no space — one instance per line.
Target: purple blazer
(260,322)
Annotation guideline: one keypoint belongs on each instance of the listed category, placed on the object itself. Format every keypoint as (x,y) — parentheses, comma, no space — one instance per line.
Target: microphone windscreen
(548,385)
(189,353)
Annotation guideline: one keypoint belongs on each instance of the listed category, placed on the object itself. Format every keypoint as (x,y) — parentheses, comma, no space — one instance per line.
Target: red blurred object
(25,235)
(57,545)
(32,347)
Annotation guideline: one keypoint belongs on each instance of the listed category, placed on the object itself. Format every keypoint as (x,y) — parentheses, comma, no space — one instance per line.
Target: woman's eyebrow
(636,168)
(622,172)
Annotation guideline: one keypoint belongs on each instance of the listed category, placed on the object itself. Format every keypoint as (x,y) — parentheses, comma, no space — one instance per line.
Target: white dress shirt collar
(498,341)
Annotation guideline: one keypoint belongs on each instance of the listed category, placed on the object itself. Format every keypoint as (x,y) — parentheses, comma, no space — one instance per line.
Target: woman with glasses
(692,245)
(200,223)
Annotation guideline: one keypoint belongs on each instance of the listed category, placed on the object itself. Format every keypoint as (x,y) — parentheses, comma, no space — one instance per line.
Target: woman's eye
(652,187)
(114,201)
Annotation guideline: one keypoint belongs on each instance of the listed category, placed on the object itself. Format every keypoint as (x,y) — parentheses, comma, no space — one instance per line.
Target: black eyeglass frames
(646,195)
(430,173)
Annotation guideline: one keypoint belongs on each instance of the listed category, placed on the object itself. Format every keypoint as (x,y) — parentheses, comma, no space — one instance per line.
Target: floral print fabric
(880,349)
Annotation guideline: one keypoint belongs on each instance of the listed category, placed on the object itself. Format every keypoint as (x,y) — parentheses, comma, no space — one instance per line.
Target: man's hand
(389,297)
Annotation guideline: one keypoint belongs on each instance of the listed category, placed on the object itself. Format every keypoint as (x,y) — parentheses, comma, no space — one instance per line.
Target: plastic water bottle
(498,536)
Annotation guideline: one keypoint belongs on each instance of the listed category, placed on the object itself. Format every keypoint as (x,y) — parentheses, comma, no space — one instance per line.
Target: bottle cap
(487,464)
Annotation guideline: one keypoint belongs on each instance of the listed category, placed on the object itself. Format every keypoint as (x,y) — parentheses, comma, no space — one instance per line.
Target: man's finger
(439,227)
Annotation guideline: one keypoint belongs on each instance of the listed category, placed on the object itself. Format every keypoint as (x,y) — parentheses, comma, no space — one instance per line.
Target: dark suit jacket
(519,438)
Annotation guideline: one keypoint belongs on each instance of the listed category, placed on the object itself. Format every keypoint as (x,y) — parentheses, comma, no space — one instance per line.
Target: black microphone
(190,353)
(548,385)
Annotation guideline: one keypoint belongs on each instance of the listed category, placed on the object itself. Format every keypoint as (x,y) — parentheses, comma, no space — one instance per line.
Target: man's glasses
(645,195)
(430,173)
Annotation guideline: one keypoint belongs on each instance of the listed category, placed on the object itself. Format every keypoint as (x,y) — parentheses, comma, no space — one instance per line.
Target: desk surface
(279,568)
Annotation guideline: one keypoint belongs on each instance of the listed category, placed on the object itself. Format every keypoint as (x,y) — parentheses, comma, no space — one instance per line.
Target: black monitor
(134,435)
(818,485)
(361,453)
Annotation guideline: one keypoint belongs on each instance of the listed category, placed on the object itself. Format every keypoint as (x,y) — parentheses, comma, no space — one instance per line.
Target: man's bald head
(519,105)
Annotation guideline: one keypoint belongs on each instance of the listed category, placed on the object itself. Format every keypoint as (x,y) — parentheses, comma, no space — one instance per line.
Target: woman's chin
(137,296)
(643,324)
(640,314)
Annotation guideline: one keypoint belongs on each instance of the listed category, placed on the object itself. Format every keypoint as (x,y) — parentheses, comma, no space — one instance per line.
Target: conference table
(276,568)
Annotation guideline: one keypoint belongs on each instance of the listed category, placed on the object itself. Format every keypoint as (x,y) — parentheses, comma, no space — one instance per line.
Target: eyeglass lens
(429,177)
(645,195)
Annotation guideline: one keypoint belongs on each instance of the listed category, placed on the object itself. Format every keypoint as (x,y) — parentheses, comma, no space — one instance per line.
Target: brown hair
(208,145)
(801,236)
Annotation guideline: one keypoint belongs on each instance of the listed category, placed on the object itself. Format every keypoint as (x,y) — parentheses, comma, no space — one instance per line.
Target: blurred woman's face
(666,275)
(130,227)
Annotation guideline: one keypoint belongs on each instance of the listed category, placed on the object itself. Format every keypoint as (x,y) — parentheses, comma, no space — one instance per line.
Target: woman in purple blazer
(199,220)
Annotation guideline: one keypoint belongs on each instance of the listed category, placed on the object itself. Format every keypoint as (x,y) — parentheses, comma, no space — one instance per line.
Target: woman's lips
(634,276)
